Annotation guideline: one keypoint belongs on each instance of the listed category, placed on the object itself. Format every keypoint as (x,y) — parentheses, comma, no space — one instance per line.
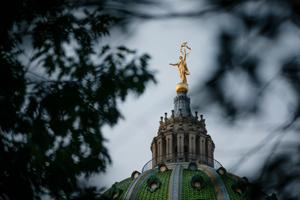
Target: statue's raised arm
(183,48)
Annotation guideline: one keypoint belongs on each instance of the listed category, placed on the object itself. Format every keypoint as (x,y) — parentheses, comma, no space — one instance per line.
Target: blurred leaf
(54,108)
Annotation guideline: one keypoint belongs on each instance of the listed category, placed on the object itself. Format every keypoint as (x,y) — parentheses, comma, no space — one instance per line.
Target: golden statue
(182,66)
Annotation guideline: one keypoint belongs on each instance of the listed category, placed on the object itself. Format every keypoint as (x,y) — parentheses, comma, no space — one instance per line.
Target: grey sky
(129,141)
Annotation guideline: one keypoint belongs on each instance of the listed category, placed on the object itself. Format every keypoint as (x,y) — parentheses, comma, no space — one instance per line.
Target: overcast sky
(129,141)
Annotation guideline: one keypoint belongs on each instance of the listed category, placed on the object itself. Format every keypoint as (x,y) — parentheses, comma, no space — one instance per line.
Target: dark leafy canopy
(59,84)
(258,27)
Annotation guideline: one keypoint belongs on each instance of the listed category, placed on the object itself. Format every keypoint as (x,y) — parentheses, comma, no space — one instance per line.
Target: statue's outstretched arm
(174,64)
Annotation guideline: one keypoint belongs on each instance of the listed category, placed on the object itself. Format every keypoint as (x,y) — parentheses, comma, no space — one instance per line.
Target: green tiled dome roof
(180,182)
(182,165)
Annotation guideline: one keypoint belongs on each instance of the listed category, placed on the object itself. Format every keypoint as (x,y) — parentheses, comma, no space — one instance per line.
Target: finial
(201,117)
(182,68)
(172,113)
(196,114)
(166,116)
(161,119)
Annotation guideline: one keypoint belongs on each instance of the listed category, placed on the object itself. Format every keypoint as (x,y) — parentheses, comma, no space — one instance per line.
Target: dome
(182,165)
(185,181)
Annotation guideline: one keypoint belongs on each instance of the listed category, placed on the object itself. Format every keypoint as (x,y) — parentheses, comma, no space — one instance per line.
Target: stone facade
(182,137)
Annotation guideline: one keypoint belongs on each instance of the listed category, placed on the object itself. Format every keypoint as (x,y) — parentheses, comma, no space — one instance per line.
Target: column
(192,146)
(164,148)
(154,154)
(203,154)
(159,150)
(210,152)
(180,146)
(169,148)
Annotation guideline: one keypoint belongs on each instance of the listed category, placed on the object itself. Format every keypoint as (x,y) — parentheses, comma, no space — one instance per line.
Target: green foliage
(55,100)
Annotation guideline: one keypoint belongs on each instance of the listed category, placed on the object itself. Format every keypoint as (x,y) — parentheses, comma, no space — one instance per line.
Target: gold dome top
(181,87)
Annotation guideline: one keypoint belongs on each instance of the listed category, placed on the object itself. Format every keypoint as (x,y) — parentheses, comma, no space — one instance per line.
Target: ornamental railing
(181,158)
